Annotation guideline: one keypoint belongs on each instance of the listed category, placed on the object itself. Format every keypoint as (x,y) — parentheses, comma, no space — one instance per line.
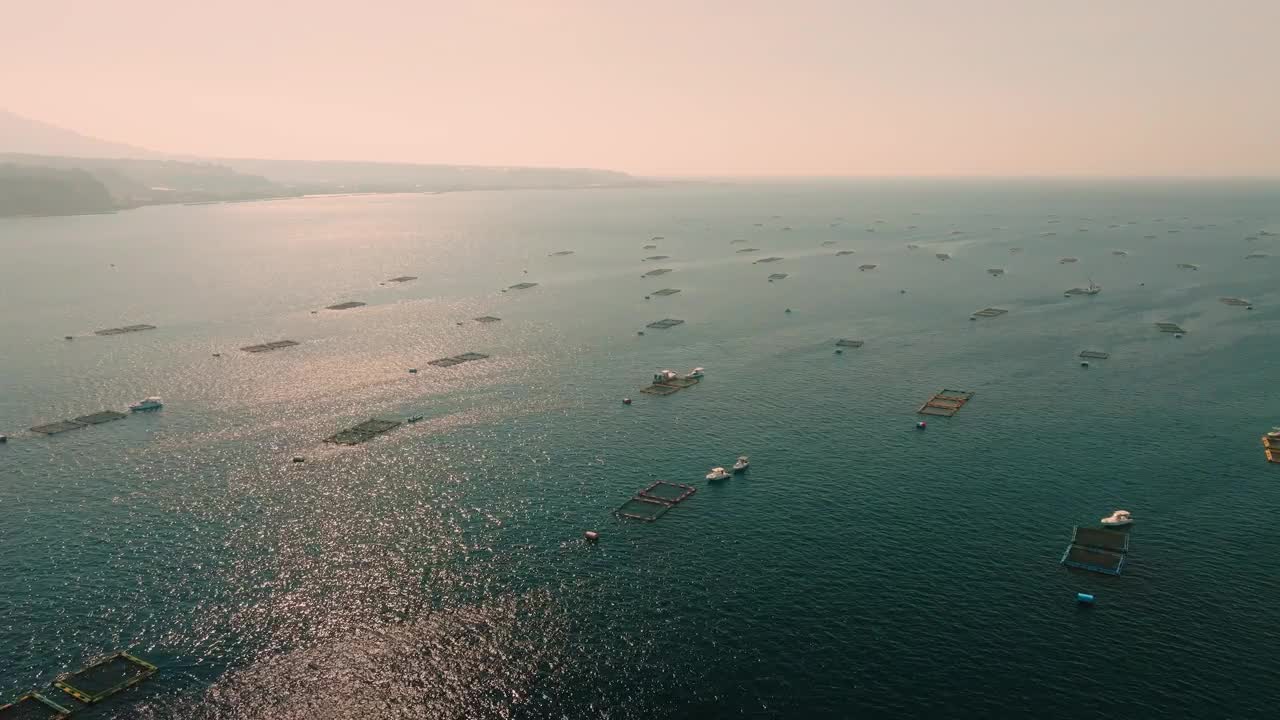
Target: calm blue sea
(861,568)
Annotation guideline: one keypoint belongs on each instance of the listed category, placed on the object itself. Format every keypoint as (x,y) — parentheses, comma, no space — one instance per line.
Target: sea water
(860,568)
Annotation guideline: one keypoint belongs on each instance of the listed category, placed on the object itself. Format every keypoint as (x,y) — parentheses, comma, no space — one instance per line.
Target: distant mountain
(24,135)
(331,176)
(50,170)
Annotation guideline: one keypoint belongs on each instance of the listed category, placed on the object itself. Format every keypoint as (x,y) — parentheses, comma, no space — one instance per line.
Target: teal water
(861,568)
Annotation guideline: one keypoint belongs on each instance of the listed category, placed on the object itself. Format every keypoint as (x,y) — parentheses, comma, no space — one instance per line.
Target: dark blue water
(860,568)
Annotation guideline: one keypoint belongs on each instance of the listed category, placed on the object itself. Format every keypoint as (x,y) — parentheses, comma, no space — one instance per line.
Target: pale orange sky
(707,87)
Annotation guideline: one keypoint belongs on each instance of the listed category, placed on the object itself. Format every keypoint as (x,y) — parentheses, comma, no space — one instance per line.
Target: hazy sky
(1147,87)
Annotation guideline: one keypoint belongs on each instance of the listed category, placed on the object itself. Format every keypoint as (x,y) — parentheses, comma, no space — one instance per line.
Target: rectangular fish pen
(457,359)
(268,347)
(665,323)
(1170,327)
(1097,550)
(33,706)
(106,677)
(945,403)
(125,329)
(990,312)
(654,501)
(345,306)
(364,432)
(76,423)
(1094,354)
(665,291)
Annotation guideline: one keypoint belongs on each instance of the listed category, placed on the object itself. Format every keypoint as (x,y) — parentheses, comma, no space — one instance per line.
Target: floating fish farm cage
(33,706)
(1094,354)
(458,359)
(365,431)
(76,423)
(106,677)
(665,323)
(1097,550)
(268,347)
(946,403)
(654,501)
(123,330)
(345,306)
(990,312)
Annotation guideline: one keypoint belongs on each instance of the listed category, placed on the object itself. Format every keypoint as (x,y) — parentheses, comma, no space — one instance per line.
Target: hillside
(24,135)
(26,190)
(73,169)
(376,176)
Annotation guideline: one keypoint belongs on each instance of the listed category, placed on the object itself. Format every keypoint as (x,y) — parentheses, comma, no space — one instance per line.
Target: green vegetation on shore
(34,190)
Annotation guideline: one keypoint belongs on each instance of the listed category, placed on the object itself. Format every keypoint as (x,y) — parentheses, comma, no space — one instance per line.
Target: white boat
(1119,518)
(741,464)
(718,473)
(1274,434)
(151,403)
(694,374)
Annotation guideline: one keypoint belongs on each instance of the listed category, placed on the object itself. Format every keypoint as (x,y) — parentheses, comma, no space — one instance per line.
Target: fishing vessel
(151,403)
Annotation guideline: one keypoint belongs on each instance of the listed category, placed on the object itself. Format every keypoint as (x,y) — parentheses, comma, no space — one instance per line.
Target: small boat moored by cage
(1119,518)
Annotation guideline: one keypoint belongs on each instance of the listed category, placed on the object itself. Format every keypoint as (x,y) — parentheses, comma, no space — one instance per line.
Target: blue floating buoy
(921,425)
(413,371)
(1084,598)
